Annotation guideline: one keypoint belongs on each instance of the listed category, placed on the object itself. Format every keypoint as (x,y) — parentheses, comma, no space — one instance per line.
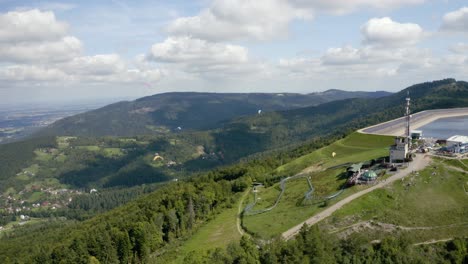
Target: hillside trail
(386,227)
(433,241)
(419,163)
(239,213)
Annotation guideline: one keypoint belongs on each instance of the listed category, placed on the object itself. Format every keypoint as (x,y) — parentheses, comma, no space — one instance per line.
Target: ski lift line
(307,196)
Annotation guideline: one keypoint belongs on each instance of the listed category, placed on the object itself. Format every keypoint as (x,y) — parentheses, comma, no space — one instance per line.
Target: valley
(234,132)
(175,195)
(21,121)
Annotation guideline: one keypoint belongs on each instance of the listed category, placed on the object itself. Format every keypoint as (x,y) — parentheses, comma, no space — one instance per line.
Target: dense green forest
(150,224)
(151,221)
(15,156)
(194,151)
(314,246)
(150,228)
(163,113)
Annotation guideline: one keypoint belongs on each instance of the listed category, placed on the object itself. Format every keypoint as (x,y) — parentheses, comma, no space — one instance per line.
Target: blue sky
(78,50)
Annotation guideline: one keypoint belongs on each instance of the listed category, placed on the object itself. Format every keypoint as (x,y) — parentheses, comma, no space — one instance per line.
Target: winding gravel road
(419,163)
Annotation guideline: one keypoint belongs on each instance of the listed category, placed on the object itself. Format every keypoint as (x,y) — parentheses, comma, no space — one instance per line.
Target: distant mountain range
(279,128)
(220,129)
(166,112)
(153,224)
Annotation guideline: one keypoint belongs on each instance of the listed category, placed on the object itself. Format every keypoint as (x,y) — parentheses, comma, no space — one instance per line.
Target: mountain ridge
(162,113)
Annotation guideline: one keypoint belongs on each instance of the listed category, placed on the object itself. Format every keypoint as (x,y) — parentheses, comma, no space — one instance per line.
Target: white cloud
(229,20)
(364,62)
(32,25)
(104,68)
(191,50)
(105,64)
(347,6)
(35,48)
(202,57)
(63,49)
(459,48)
(456,21)
(264,19)
(345,55)
(386,32)
(29,73)
(35,36)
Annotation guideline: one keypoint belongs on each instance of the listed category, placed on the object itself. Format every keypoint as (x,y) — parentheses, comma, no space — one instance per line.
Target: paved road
(419,163)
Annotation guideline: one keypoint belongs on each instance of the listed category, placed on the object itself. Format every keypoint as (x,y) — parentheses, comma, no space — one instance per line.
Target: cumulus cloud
(33,35)
(386,32)
(32,25)
(456,21)
(31,73)
(202,56)
(264,19)
(362,62)
(104,64)
(64,49)
(36,47)
(344,55)
(347,6)
(229,19)
(459,48)
(189,50)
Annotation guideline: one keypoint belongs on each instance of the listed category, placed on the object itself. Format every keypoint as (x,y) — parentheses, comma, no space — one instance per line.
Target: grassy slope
(354,148)
(420,200)
(290,211)
(216,233)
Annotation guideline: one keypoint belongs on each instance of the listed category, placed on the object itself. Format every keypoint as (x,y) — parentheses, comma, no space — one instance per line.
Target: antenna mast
(408,117)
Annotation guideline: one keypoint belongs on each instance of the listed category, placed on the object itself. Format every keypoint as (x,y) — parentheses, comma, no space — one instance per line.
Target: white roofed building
(457,140)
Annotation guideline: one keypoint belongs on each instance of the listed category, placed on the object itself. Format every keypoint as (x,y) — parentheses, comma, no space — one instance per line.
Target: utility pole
(408,118)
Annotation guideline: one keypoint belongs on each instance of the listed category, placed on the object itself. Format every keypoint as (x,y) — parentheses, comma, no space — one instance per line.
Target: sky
(69,51)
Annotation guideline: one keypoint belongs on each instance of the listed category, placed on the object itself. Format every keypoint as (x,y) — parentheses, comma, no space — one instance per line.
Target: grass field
(89,148)
(42,156)
(35,196)
(10,227)
(431,204)
(62,142)
(354,148)
(218,232)
(326,181)
(112,152)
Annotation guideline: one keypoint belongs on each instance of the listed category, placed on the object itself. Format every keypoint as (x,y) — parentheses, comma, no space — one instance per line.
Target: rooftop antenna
(408,117)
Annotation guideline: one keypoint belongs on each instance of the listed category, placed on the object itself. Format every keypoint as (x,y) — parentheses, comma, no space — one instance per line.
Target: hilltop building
(457,144)
(457,140)
(416,134)
(368,176)
(399,151)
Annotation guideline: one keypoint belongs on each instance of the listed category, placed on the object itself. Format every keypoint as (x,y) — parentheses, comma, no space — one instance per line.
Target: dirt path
(433,241)
(239,212)
(455,168)
(419,163)
(386,227)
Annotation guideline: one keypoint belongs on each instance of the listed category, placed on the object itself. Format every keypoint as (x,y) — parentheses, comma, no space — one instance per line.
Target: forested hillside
(158,222)
(163,113)
(350,114)
(92,162)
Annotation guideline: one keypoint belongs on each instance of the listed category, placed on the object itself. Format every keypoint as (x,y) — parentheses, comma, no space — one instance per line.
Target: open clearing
(218,232)
(431,204)
(326,181)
